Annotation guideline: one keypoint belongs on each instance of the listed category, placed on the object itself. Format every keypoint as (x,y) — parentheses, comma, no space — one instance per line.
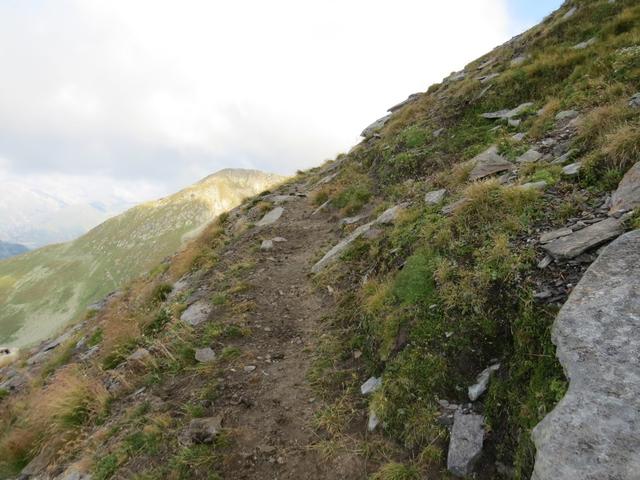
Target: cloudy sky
(132,99)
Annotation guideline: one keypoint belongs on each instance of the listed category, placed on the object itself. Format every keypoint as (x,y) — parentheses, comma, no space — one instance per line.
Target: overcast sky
(138,98)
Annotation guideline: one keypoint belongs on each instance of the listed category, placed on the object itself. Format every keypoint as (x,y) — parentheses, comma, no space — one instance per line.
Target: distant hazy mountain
(11,249)
(46,288)
(33,218)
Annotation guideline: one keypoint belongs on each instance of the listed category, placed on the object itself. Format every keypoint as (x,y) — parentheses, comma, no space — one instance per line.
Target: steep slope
(388,314)
(11,249)
(47,288)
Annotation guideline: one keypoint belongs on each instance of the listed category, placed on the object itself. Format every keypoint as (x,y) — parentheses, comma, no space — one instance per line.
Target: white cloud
(168,91)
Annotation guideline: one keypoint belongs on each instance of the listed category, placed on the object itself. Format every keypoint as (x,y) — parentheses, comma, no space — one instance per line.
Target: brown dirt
(270,410)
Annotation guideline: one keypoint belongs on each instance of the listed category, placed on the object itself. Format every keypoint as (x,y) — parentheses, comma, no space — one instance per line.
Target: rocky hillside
(457,296)
(50,287)
(11,249)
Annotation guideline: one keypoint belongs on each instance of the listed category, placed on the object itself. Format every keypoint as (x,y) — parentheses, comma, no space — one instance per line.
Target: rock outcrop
(571,246)
(465,445)
(627,196)
(594,432)
(489,163)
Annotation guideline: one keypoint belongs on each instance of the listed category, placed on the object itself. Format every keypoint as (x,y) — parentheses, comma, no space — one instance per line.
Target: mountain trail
(267,402)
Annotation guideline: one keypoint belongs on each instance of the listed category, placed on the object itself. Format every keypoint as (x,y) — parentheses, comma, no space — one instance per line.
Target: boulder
(271,217)
(594,432)
(465,444)
(585,44)
(387,217)
(202,431)
(205,355)
(634,102)
(570,13)
(435,197)
(482,382)
(627,196)
(412,98)
(507,114)
(196,313)
(530,156)
(518,137)
(489,163)
(572,169)
(571,246)
(375,127)
(266,245)
(567,115)
(371,385)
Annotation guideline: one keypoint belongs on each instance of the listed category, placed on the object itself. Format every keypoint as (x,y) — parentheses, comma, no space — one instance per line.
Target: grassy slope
(443,295)
(45,289)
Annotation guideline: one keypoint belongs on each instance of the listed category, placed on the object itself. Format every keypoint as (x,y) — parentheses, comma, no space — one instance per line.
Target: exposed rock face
(271,217)
(627,196)
(585,44)
(205,355)
(412,98)
(541,185)
(371,385)
(571,246)
(375,127)
(567,115)
(572,170)
(489,163)
(594,432)
(465,445)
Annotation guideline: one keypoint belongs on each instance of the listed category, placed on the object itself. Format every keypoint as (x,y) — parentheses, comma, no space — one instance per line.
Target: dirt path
(270,409)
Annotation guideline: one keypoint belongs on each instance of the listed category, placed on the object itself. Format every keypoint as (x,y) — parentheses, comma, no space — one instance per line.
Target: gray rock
(482,382)
(196,313)
(387,217)
(519,60)
(438,132)
(373,421)
(205,355)
(271,217)
(514,122)
(321,207)
(634,102)
(202,431)
(530,156)
(507,114)
(518,137)
(489,163)
(278,239)
(351,220)
(452,207)
(266,245)
(465,444)
(141,355)
(486,63)
(561,160)
(456,76)
(585,44)
(627,196)
(594,432)
(412,98)
(371,385)
(435,197)
(570,13)
(545,262)
(567,115)
(572,169)
(74,472)
(488,78)
(37,465)
(375,127)
(550,236)
(541,185)
(579,242)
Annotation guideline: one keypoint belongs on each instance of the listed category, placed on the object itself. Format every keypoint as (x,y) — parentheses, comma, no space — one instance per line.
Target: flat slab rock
(196,313)
(489,163)
(387,217)
(571,246)
(271,217)
(465,445)
(594,432)
(627,196)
